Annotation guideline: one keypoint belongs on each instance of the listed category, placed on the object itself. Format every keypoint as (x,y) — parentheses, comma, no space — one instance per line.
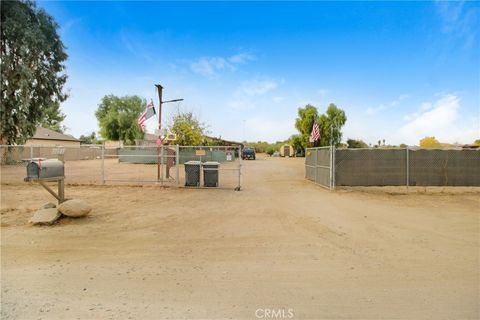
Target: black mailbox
(45,169)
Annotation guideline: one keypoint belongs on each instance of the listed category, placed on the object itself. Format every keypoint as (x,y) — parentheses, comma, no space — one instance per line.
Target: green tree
(259,146)
(477,142)
(271,150)
(353,144)
(265,147)
(331,123)
(403,145)
(297,144)
(188,128)
(304,123)
(32,71)
(89,138)
(118,118)
(52,119)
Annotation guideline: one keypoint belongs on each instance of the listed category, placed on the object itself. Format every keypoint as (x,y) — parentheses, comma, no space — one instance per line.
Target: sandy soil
(282,243)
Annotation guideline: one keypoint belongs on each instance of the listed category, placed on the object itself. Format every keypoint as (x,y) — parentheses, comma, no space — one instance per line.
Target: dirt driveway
(281,244)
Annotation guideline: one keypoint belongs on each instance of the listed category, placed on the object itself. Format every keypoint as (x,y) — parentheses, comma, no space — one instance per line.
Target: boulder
(48,206)
(45,216)
(74,208)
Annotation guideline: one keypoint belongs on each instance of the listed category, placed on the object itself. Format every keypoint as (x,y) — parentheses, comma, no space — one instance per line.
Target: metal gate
(319,166)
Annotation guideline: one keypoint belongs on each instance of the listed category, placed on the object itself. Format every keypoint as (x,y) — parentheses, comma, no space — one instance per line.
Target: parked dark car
(248,154)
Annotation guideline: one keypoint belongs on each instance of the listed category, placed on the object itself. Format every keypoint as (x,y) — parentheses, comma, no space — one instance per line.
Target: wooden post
(61,191)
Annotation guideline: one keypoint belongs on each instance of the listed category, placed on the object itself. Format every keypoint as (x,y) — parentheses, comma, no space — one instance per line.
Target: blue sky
(400,70)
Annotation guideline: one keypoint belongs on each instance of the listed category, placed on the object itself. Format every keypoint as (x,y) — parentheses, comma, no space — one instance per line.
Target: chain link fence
(96,164)
(392,167)
(82,164)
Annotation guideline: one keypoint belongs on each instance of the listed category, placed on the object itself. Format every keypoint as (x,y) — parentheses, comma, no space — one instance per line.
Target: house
(47,137)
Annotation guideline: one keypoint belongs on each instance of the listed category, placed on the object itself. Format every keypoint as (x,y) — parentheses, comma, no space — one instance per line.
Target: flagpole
(160,103)
(160,92)
(156,115)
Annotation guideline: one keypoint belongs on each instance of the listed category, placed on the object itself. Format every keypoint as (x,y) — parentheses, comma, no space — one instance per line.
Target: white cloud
(439,119)
(394,103)
(423,107)
(373,110)
(278,99)
(268,129)
(241,58)
(451,13)
(246,96)
(459,20)
(67,26)
(135,47)
(323,92)
(241,103)
(210,67)
(258,87)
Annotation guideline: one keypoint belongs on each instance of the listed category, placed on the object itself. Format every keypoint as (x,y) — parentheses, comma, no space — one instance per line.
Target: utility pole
(243,130)
(160,139)
(160,101)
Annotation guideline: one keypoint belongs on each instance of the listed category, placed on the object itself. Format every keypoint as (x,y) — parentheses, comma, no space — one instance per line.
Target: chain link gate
(319,166)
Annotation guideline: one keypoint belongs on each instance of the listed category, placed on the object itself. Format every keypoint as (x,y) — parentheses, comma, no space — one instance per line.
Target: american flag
(315,135)
(149,112)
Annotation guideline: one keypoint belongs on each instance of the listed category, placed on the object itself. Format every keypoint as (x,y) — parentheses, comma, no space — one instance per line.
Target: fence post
(103,164)
(239,167)
(161,164)
(330,169)
(177,164)
(306,155)
(408,168)
(31,152)
(333,167)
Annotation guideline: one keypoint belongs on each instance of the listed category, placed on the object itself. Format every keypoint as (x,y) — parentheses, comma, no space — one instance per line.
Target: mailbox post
(49,170)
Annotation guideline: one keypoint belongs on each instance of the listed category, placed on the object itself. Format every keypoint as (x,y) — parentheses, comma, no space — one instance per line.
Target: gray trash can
(210,173)
(192,173)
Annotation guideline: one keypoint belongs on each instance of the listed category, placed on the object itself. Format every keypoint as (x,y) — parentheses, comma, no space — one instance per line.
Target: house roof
(223,141)
(47,134)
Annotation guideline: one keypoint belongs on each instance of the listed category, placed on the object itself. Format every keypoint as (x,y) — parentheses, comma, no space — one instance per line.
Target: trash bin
(192,173)
(210,173)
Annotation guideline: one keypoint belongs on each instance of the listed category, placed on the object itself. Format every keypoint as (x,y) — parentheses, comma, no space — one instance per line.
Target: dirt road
(282,243)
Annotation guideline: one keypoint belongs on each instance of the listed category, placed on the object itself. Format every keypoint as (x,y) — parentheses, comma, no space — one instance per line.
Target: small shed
(287,150)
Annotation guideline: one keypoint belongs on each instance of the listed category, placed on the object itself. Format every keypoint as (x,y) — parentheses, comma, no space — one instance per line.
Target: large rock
(45,216)
(74,208)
